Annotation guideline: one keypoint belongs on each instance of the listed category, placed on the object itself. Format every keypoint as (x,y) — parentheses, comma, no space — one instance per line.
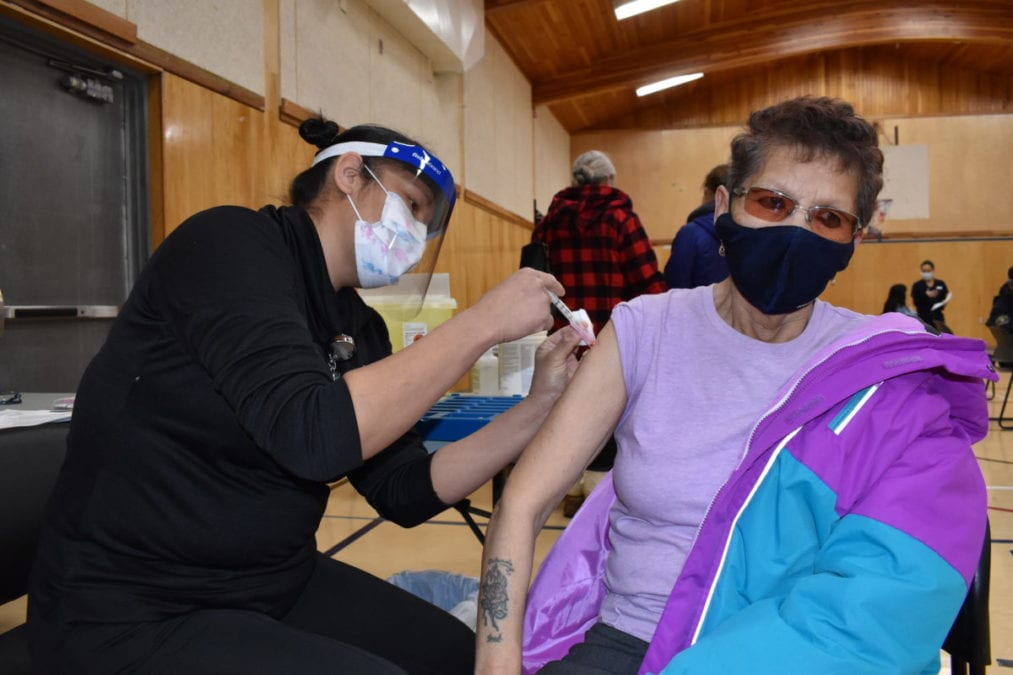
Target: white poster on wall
(906,180)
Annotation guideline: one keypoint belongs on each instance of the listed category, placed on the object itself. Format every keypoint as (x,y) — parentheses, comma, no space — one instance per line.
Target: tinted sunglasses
(775,207)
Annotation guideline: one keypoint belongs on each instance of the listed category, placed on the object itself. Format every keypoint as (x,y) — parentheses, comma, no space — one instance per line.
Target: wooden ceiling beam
(765,38)
(494,6)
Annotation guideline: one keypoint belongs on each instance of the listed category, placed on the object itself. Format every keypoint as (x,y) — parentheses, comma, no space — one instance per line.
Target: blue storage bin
(459,415)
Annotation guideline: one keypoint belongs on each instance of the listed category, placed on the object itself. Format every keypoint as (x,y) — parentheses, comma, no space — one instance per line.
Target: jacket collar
(880,348)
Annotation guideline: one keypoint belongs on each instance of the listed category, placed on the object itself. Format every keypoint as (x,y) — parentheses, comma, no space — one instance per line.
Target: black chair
(989,384)
(468,512)
(30,459)
(969,642)
(1002,356)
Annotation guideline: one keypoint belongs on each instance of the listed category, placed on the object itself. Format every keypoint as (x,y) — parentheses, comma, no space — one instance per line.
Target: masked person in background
(1001,314)
(768,509)
(929,296)
(243,375)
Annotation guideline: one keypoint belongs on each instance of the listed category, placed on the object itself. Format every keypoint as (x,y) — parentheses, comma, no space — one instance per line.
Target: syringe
(582,329)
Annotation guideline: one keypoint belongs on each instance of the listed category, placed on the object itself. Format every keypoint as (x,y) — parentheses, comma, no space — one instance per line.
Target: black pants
(604,651)
(345,621)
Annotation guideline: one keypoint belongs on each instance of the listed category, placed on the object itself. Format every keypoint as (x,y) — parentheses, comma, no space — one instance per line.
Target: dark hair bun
(319,131)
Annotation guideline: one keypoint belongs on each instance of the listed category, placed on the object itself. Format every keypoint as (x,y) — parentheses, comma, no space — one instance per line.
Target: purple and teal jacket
(843,542)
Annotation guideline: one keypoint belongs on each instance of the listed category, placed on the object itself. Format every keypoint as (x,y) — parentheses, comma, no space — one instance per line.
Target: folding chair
(968,642)
(454,417)
(30,459)
(1002,356)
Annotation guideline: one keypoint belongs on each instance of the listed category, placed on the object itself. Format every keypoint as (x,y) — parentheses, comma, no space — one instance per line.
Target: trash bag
(454,593)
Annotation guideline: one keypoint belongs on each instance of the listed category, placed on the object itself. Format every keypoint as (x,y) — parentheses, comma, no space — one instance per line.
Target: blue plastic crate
(458,415)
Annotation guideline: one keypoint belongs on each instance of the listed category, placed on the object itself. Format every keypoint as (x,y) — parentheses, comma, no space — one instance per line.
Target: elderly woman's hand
(555,364)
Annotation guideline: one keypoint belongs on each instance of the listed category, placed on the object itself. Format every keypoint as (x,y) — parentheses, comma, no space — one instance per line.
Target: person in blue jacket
(696,259)
(795,488)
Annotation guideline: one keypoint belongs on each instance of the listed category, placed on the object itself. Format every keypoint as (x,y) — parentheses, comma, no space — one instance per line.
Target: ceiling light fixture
(667,83)
(624,9)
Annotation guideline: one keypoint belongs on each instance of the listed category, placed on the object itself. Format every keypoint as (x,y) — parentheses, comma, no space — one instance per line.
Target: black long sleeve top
(206,428)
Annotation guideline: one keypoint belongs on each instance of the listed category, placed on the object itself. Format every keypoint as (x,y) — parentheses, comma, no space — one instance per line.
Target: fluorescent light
(667,84)
(626,8)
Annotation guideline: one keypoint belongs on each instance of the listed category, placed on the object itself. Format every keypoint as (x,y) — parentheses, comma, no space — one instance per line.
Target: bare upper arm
(574,432)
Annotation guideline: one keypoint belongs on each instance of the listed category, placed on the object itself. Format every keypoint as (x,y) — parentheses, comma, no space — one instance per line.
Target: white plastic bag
(454,593)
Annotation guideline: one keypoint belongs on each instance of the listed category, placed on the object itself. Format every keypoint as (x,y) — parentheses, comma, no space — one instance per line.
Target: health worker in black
(243,375)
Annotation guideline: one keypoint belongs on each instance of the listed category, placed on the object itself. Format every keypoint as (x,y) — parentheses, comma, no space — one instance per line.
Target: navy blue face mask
(780,268)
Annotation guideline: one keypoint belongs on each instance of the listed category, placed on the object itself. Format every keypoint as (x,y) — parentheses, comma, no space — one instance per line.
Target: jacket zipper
(745,454)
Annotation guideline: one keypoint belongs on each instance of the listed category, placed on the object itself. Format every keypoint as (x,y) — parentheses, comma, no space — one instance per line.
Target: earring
(721,249)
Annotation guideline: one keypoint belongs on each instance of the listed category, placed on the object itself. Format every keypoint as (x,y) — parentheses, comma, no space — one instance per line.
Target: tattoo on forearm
(493,598)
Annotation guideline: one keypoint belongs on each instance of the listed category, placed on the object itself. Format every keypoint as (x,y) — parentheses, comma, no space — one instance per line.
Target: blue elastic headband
(413,155)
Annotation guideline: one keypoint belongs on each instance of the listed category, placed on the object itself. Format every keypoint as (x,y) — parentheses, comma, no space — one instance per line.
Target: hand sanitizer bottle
(485,374)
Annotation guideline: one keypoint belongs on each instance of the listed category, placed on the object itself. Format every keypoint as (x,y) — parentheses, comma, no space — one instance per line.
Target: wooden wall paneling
(219,151)
(237,159)
(481,249)
(187,149)
(288,156)
(970,170)
(882,80)
(662,171)
(973,269)
(156,182)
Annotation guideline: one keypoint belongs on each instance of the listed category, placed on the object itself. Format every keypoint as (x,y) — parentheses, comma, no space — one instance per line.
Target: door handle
(12,312)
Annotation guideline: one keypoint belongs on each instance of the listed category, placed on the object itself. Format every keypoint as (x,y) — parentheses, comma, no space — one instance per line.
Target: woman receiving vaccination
(794,489)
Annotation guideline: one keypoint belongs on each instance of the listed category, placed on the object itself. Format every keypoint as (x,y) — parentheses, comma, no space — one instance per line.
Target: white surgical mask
(927,276)
(390,247)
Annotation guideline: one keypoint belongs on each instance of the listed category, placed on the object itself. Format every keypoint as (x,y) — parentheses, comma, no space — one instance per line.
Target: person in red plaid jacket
(599,251)
(598,248)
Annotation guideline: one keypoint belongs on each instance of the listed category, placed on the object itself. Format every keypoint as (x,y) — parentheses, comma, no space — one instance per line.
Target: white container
(485,374)
(517,364)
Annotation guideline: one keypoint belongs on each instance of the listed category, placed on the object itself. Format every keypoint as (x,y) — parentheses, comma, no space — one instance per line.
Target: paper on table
(10,419)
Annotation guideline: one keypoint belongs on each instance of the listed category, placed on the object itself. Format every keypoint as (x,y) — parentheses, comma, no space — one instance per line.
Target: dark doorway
(73,197)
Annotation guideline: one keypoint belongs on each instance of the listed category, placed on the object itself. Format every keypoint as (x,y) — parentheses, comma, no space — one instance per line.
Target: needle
(586,335)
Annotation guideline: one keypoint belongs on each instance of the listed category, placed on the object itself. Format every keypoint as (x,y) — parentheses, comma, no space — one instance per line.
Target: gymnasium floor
(354,534)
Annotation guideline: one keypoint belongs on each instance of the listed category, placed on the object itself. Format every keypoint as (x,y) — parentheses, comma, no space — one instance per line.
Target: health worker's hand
(519,305)
(555,364)
(936,306)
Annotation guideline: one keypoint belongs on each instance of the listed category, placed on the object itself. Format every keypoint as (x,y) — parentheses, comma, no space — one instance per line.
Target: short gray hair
(592,168)
(813,128)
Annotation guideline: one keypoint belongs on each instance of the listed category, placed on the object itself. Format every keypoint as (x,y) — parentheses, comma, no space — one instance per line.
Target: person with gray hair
(599,251)
(593,168)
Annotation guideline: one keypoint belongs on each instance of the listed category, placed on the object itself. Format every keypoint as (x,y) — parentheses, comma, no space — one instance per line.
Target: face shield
(428,187)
